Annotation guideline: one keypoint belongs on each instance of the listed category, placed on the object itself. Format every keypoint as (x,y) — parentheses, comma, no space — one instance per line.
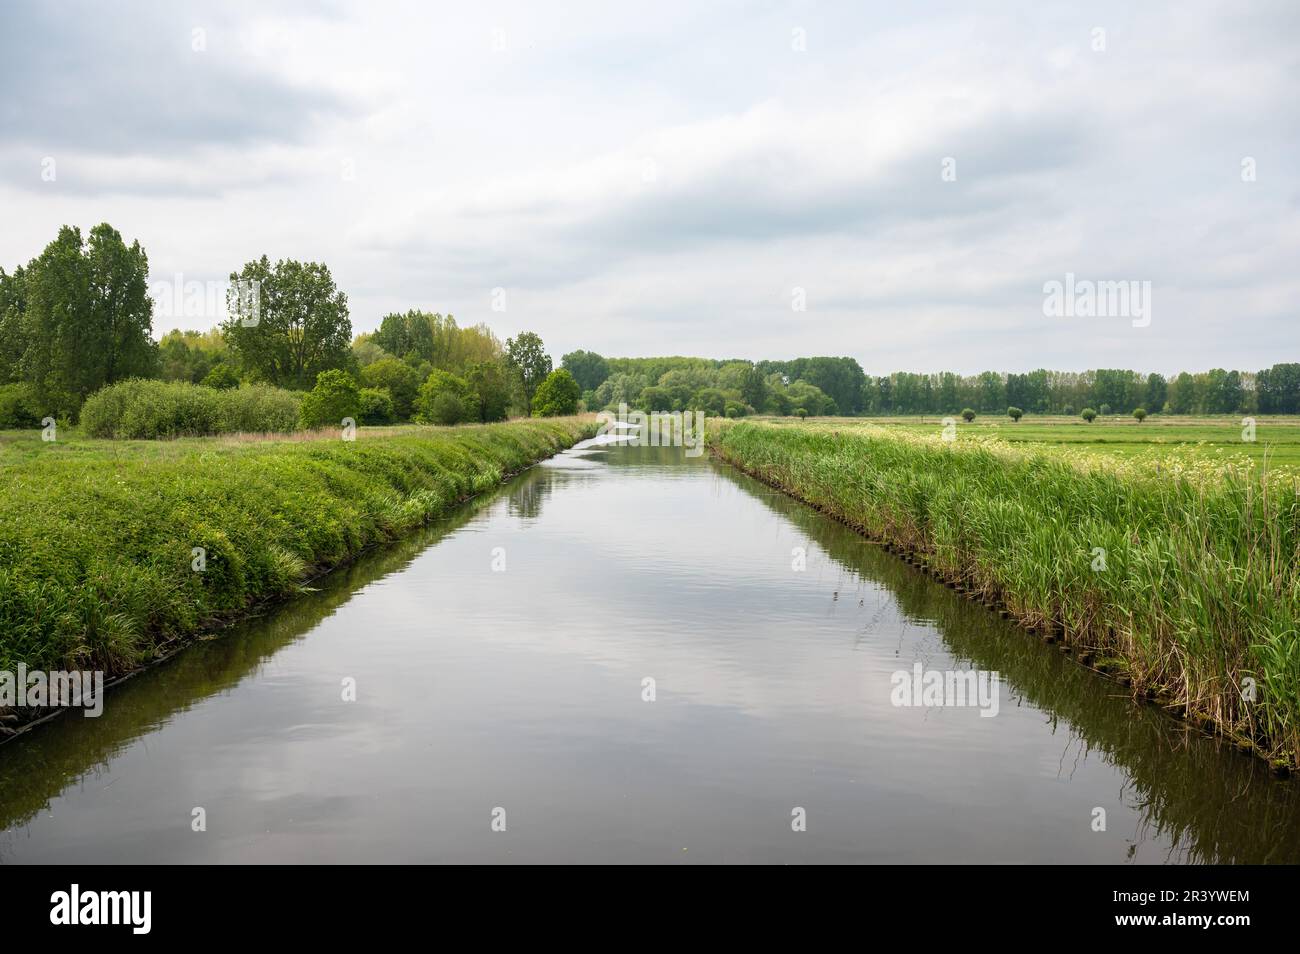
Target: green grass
(1201,585)
(1277,438)
(97,537)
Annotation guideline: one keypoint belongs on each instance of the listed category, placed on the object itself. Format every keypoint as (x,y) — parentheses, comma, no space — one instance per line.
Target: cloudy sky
(664,178)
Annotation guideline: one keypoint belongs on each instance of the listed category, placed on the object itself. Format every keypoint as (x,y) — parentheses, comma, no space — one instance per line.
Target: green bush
(18,407)
(557,395)
(967,415)
(400,380)
(1015,413)
(139,409)
(376,406)
(334,398)
(445,398)
(1088,414)
(222,376)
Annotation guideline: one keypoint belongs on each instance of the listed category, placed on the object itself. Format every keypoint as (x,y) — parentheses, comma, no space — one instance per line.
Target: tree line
(79,318)
(838,386)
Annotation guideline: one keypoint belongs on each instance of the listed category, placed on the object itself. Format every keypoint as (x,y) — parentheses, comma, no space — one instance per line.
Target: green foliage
(526,357)
(191,355)
(221,376)
(139,409)
(365,351)
(1088,414)
(86,317)
(588,368)
(376,406)
(302,327)
(711,401)
(557,395)
(335,397)
(19,407)
(1015,413)
(968,415)
(398,378)
(96,540)
(839,379)
(445,398)
(490,390)
(1140,413)
(655,399)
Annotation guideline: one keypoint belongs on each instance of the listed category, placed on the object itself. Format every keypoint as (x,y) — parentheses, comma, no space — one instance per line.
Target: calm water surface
(521,689)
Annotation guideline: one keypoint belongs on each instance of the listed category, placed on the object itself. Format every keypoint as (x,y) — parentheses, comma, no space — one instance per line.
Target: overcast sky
(660,178)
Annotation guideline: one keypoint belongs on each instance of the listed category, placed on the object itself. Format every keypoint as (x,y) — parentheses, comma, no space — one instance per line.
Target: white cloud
(648,185)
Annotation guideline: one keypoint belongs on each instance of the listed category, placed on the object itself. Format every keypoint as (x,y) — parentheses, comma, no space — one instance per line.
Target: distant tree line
(838,386)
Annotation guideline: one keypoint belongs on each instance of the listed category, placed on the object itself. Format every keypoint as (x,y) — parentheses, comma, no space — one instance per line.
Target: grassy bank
(1182,575)
(101,542)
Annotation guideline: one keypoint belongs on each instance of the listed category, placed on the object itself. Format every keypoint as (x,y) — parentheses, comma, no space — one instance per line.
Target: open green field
(111,552)
(1277,438)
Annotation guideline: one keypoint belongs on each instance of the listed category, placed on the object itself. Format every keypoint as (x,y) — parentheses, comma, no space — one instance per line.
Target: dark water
(522,689)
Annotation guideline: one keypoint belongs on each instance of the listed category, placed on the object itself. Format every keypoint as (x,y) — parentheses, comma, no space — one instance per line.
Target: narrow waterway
(502,664)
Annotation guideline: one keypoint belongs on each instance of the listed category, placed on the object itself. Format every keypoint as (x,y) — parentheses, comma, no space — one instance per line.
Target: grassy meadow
(1174,564)
(1277,437)
(113,551)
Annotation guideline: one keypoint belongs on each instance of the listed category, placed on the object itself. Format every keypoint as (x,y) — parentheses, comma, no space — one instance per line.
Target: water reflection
(523,687)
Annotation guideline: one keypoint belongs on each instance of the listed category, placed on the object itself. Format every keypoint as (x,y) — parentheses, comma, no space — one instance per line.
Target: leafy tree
(13,305)
(335,397)
(190,355)
(87,316)
(1015,414)
(399,379)
(968,415)
(588,368)
(710,401)
(753,389)
(1105,410)
(222,376)
(409,334)
(1157,391)
(1278,388)
(445,398)
(1140,413)
(489,386)
(526,356)
(366,351)
(655,398)
(303,326)
(1088,414)
(557,395)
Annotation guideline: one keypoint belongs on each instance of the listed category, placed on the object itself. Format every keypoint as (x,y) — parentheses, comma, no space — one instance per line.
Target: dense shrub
(18,407)
(221,376)
(334,398)
(445,398)
(400,380)
(376,406)
(141,409)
